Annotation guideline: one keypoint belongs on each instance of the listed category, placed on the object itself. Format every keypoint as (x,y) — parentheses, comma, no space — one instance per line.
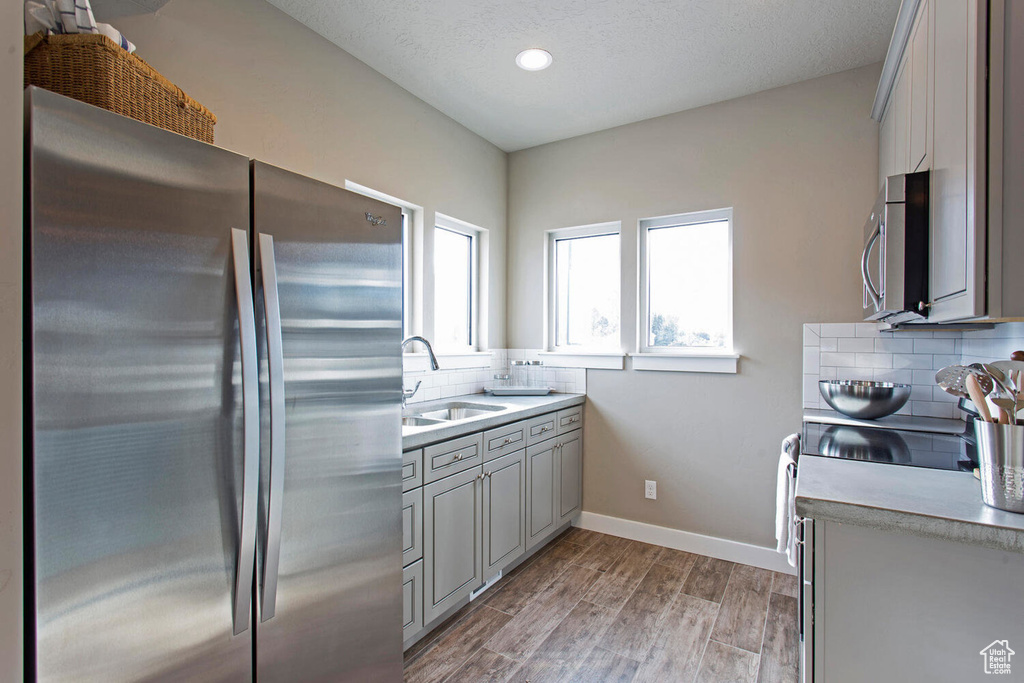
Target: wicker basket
(94,69)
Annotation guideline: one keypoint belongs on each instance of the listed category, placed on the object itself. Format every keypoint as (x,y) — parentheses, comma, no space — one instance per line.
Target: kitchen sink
(457,410)
(417,421)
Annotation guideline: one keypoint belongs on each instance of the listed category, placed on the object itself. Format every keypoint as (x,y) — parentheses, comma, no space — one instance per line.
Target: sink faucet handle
(409,393)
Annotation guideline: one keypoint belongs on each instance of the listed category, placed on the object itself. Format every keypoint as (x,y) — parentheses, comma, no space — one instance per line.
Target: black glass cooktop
(890,446)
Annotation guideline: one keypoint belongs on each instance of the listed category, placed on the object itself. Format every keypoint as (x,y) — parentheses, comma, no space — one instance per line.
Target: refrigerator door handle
(251,430)
(275,368)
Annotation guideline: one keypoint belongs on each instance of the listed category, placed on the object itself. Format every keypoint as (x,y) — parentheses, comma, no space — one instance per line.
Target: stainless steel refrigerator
(214,388)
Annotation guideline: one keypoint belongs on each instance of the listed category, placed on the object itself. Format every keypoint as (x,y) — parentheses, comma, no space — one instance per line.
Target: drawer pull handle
(573,419)
(458,457)
(506,442)
(545,429)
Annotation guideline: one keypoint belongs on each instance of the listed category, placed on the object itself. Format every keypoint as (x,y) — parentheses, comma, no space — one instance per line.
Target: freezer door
(136,401)
(329,584)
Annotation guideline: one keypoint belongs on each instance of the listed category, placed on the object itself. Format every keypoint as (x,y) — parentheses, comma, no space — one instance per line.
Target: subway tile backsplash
(446,383)
(861,351)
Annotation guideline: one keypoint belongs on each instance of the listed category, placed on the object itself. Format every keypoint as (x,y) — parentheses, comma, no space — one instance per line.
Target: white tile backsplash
(861,351)
(445,383)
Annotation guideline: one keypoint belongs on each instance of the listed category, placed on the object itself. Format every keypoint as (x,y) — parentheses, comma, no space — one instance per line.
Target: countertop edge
(483,423)
(998,538)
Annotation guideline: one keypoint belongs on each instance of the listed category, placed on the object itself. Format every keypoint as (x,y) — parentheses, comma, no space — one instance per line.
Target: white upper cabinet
(918,67)
(935,112)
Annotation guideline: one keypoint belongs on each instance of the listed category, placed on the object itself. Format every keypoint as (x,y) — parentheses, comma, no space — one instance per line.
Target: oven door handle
(869,286)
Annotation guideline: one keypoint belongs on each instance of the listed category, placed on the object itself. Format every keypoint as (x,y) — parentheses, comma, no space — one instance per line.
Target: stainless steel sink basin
(458,410)
(417,421)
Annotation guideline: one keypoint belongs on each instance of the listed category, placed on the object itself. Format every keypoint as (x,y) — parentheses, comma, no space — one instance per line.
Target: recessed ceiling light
(533,59)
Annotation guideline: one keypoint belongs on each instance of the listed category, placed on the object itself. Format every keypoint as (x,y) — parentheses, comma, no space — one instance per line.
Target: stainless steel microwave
(894,263)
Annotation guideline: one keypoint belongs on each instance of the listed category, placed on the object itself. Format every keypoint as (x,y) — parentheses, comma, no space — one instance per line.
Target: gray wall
(285,95)
(10,341)
(798,165)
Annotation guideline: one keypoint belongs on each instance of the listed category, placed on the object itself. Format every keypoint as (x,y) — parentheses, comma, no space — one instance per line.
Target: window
(583,301)
(407,224)
(456,291)
(686,283)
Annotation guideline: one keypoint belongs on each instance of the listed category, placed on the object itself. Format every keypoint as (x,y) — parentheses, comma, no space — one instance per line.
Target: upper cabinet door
(957,268)
(901,121)
(886,147)
(918,65)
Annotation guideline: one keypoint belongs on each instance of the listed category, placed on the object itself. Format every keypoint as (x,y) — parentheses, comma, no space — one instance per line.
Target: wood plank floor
(593,608)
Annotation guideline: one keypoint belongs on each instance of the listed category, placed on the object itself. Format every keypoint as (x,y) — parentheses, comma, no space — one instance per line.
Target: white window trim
(410,212)
(590,361)
(476,308)
(677,359)
(577,356)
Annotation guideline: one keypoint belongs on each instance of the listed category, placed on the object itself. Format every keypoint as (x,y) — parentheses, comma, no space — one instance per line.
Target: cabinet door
(504,537)
(570,475)
(886,147)
(957,267)
(540,491)
(920,84)
(412,526)
(452,508)
(901,124)
(412,600)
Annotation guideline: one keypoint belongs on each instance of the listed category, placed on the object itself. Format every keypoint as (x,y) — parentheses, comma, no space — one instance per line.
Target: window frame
(476,234)
(551,296)
(644,284)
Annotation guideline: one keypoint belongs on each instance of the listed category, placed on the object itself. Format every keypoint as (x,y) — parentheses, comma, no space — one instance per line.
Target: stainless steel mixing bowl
(862,399)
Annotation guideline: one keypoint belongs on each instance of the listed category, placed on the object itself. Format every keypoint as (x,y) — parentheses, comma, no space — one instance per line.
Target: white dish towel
(785,499)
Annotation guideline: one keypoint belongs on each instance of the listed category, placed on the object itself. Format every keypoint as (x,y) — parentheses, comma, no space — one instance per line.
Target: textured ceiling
(615,61)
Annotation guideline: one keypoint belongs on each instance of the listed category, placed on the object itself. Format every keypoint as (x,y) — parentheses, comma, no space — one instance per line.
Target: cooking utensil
(952,379)
(973,386)
(863,399)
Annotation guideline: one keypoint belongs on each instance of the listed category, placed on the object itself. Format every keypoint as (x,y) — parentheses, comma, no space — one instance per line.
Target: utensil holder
(1001,459)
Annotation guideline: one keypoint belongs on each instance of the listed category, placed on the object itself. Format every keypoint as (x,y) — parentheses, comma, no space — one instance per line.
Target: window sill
(420,362)
(583,359)
(687,362)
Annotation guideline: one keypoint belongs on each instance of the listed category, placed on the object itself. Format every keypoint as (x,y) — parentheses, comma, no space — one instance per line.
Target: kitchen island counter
(932,503)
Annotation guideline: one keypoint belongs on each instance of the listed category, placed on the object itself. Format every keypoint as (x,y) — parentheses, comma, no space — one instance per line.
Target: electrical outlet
(651,489)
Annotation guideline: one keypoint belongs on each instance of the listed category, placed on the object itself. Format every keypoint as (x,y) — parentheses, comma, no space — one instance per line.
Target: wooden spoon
(976,394)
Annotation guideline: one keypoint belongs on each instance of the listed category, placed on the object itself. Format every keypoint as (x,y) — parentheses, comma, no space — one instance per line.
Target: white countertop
(514,408)
(935,503)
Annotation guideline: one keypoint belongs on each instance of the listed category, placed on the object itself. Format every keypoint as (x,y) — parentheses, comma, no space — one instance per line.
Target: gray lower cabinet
(412,599)
(484,505)
(569,456)
(540,491)
(504,518)
(412,526)
(453,525)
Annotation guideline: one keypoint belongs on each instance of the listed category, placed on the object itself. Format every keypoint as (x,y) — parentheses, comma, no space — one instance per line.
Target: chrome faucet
(406,393)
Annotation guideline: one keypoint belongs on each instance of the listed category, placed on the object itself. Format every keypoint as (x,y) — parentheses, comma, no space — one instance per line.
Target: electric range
(942,451)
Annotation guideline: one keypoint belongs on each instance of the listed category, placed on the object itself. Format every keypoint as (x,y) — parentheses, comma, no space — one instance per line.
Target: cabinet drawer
(412,469)
(570,419)
(412,600)
(540,428)
(503,440)
(453,456)
(412,526)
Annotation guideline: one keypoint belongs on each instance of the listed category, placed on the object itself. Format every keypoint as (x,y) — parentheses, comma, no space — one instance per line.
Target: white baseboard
(723,549)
